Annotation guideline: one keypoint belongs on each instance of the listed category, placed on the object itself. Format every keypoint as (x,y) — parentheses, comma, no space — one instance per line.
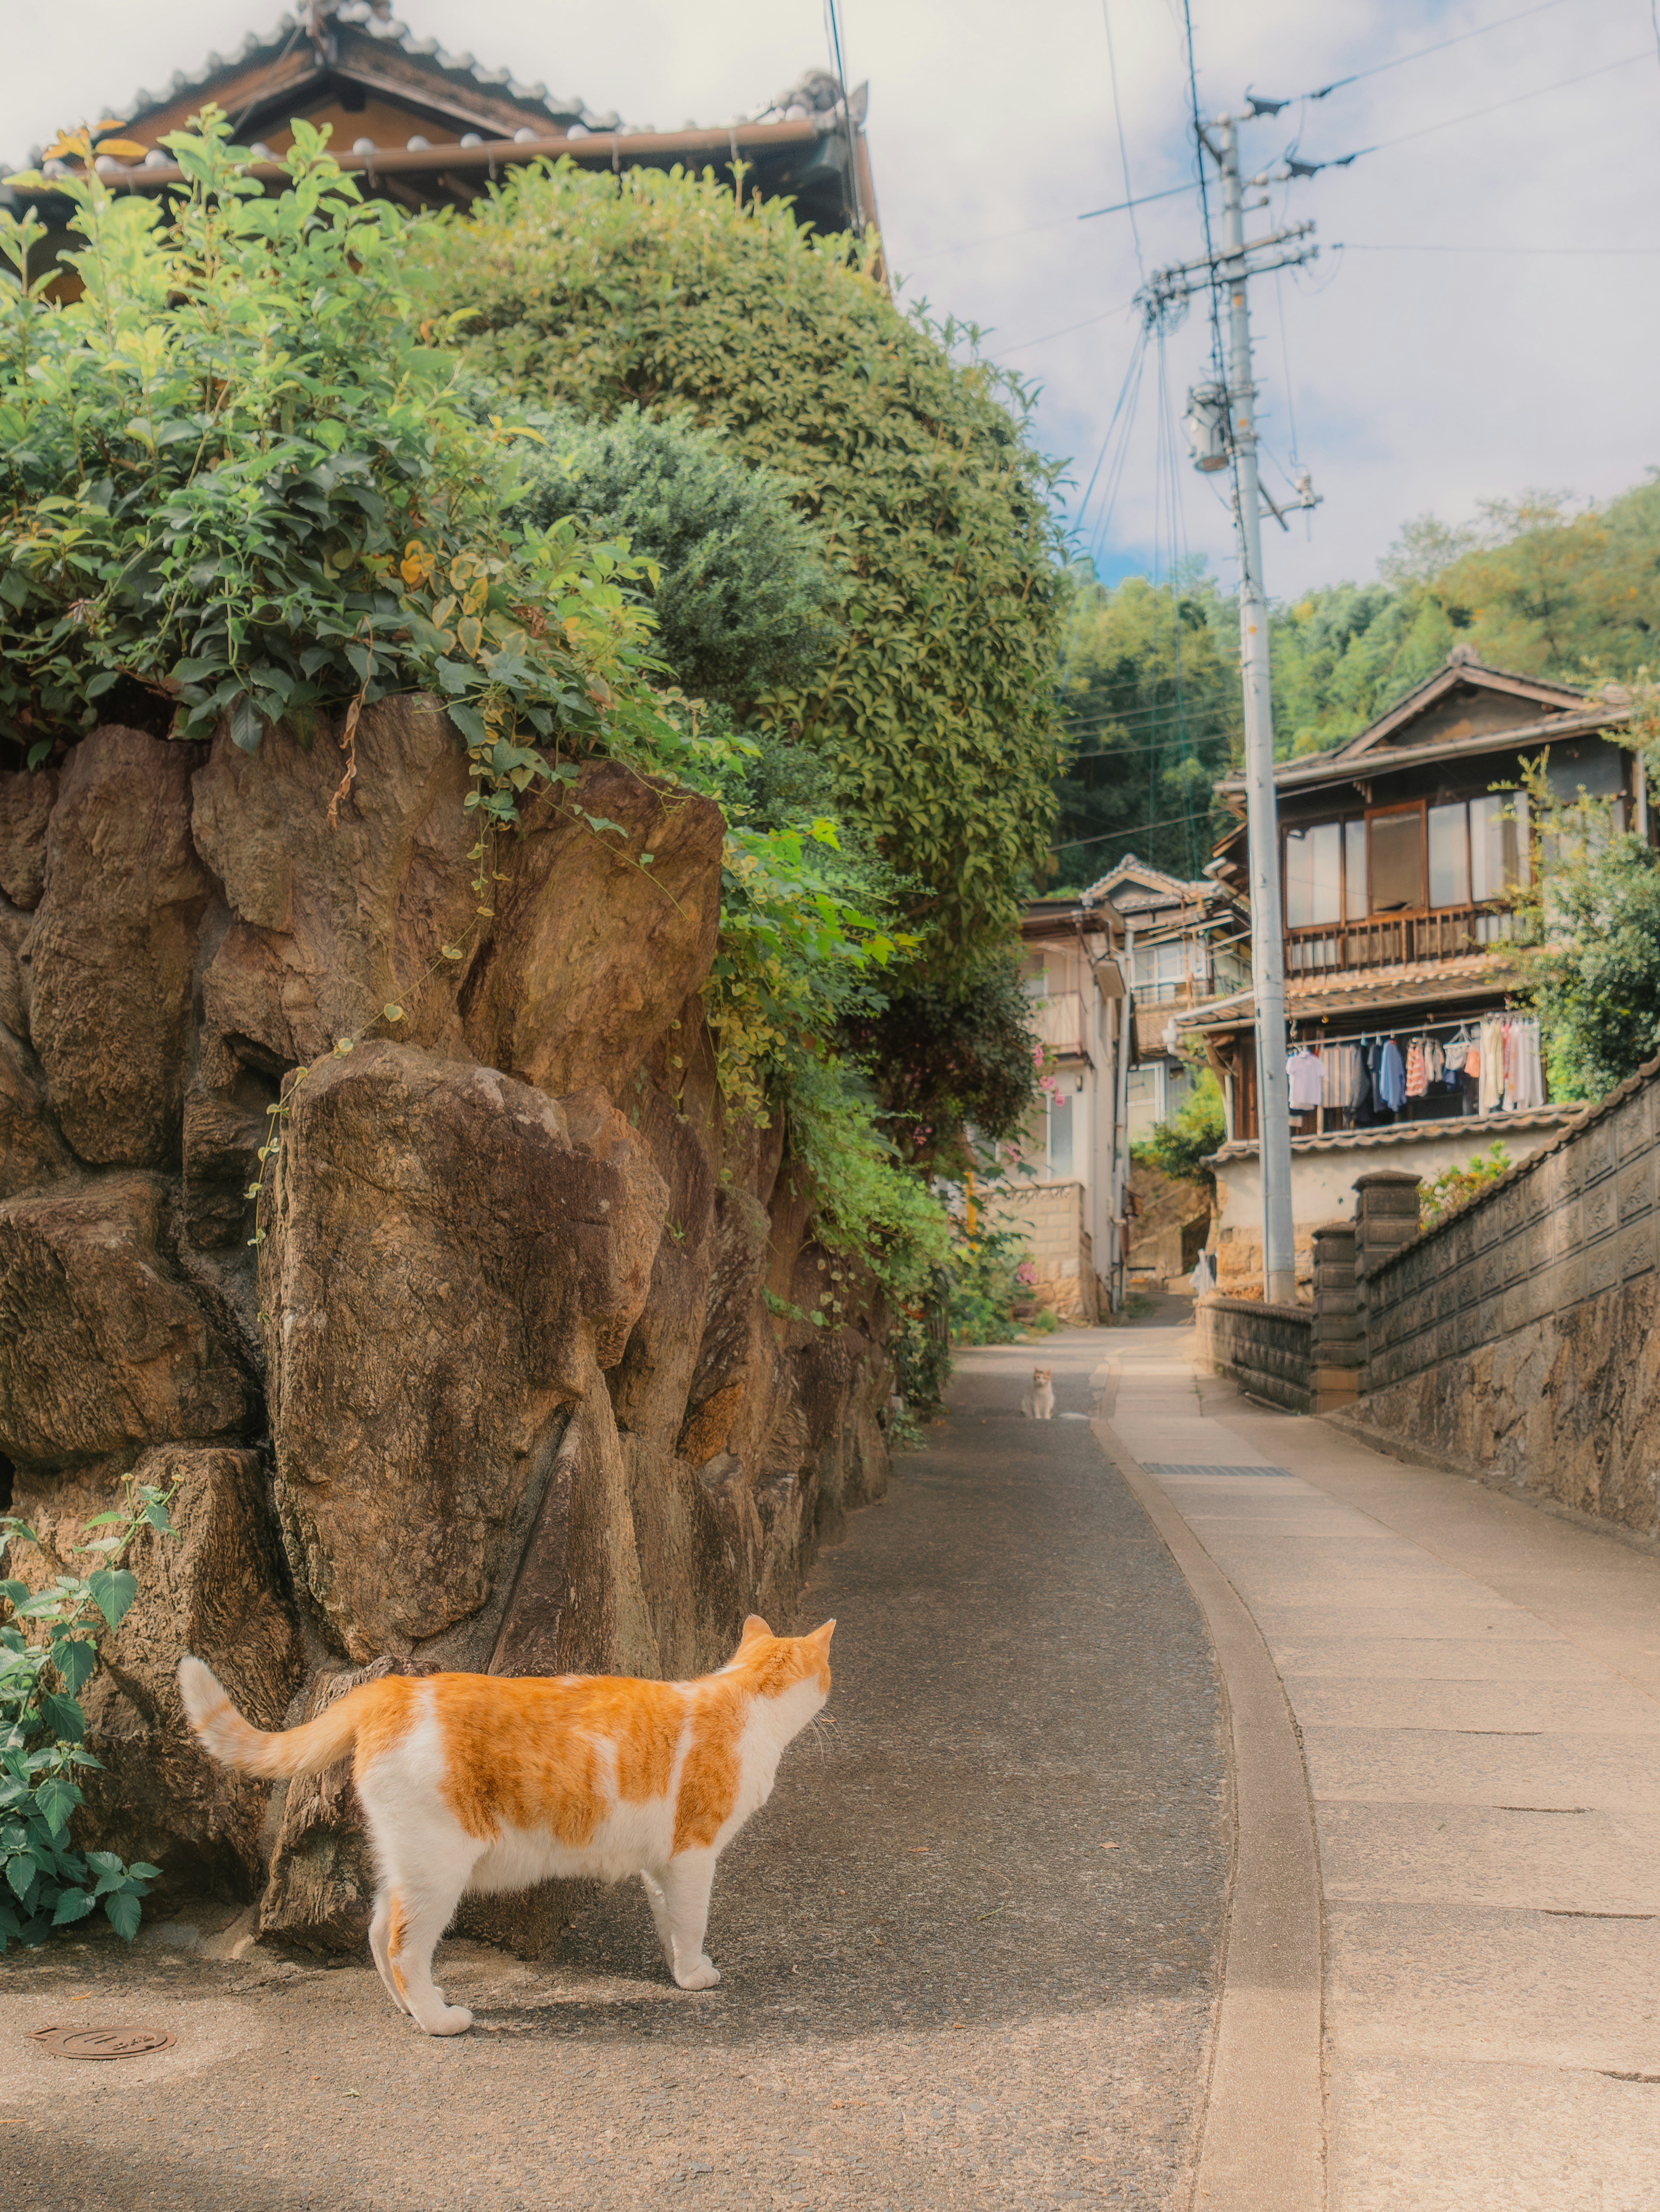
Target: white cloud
(1420,380)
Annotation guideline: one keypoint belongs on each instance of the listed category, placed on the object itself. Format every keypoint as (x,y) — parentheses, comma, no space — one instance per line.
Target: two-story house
(1186,943)
(1401,853)
(1063,1183)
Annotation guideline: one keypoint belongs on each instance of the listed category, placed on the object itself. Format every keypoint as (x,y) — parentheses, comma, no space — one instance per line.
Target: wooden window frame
(1403,806)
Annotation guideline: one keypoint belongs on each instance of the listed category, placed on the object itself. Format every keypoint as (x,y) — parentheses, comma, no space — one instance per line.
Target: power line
(1124,151)
(1349,246)
(1066,844)
(1472,115)
(1146,199)
(1088,323)
(1418,54)
(1199,142)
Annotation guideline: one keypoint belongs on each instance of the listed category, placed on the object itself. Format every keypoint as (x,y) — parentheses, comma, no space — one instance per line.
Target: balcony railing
(1391,940)
(1058,1024)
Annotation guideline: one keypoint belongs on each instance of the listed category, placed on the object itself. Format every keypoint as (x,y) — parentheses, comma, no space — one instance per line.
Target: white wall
(1322,1182)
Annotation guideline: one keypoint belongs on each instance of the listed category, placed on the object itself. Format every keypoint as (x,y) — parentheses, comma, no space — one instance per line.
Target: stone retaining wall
(1266,1349)
(1519,1337)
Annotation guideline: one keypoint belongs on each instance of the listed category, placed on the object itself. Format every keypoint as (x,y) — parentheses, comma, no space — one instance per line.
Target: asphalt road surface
(969,1949)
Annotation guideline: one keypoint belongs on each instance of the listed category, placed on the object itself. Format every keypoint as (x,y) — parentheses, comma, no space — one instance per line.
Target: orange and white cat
(1039,1404)
(483,1782)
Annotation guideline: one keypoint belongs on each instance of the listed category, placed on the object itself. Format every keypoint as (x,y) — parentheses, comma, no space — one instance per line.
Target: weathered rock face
(501,1388)
(453,1258)
(218,1591)
(103,1350)
(114,947)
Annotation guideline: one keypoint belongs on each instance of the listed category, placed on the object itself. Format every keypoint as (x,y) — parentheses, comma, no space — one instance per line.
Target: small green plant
(48,1653)
(984,1283)
(1042,1323)
(1455,1186)
(1180,1147)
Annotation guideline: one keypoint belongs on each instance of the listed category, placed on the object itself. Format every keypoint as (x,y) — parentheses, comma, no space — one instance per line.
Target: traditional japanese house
(431,129)
(1063,1183)
(1402,853)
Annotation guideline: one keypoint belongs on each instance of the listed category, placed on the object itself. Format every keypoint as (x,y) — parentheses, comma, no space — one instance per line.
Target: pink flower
(1026,1272)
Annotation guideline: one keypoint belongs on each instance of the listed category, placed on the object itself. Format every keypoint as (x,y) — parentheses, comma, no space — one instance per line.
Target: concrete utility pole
(1221,423)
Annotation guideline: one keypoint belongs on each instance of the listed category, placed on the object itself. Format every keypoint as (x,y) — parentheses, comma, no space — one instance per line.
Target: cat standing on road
(483,1782)
(1039,1404)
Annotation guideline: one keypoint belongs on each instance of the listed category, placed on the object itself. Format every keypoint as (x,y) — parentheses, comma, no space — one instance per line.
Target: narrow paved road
(969,1950)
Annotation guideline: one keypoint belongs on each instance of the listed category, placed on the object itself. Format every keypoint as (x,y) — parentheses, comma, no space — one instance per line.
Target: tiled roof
(1407,1133)
(360,16)
(1407,983)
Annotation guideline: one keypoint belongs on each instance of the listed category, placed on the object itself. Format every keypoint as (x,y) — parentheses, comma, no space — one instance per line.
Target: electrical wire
(1124,149)
(1475,114)
(833,29)
(1200,144)
(1132,380)
(1349,246)
(1088,323)
(1106,836)
(1418,54)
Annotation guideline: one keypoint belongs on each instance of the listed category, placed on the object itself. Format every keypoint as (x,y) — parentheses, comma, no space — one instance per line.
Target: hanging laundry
(1492,1068)
(1307,1080)
(1343,1078)
(1434,1061)
(1391,1076)
(1417,1081)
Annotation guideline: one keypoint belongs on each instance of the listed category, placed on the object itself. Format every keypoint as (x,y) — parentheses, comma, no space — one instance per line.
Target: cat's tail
(236,1742)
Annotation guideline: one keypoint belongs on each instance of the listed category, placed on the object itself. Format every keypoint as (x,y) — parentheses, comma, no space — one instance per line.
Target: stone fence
(1516,1340)
(1265,1349)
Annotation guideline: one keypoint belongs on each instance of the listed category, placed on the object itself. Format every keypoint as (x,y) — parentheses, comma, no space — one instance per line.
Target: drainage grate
(102,2042)
(1169,1466)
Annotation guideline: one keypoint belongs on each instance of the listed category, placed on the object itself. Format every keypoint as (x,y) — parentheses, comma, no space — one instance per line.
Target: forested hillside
(1151,670)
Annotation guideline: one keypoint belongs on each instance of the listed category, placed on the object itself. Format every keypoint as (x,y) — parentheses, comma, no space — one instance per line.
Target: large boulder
(114,947)
(216,1588)
(453,1259)
(26,799)
(102,1349)
(601,936)
(32,1153)
(333,919)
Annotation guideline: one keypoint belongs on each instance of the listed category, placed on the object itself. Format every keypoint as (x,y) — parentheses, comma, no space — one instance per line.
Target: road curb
(1262,2145)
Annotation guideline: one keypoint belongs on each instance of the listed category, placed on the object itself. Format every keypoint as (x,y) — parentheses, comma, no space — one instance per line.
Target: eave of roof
(1456,669)
(630,148)
(1417,983)
(1407,1133)
(1365,768)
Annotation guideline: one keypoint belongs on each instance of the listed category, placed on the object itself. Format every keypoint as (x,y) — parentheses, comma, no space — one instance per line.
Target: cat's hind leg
(419,1909)
(687,1880)
(657,1900)
(379,1928)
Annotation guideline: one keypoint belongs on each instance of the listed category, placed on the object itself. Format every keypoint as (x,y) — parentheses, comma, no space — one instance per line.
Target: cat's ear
(822,1636)
(753,1627)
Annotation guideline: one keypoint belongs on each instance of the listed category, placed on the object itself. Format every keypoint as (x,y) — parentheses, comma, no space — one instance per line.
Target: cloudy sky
(1489,326)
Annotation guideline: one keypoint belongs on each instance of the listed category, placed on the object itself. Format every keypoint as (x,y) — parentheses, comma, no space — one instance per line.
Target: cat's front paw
(703,1975)
(449,2019)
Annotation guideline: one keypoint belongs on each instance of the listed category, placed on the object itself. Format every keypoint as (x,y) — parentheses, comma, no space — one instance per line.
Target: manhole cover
(102,2042)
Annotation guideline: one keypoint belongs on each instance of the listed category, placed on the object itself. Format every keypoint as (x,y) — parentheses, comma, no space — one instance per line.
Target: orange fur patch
(525,1750)
(708,1779)
(396,1929)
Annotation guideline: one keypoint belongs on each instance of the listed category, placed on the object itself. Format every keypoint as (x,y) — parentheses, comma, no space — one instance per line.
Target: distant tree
(1180,1147)
(1150,694)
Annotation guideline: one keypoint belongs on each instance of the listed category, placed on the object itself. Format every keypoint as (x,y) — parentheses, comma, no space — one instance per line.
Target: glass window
(1060,1134)
(1354,870)
(1172,963)
(1499,852)
(1450,855)
(1314,874)
(1397,861)
(1035,981)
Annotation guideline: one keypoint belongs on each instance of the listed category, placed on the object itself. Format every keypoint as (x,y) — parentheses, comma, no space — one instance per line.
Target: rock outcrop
(502,1374)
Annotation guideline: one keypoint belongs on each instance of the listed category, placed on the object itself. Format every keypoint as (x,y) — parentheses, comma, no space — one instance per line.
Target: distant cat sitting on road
(1039,1404)
(481,1782)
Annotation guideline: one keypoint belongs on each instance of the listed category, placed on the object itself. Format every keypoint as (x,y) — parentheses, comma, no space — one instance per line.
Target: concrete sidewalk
(1476,1686)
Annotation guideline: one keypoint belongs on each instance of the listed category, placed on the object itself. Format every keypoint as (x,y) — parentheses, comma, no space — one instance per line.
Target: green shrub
(1180,1147)
(744,597)
(1443,1194)
(48,1652)
(936,708)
